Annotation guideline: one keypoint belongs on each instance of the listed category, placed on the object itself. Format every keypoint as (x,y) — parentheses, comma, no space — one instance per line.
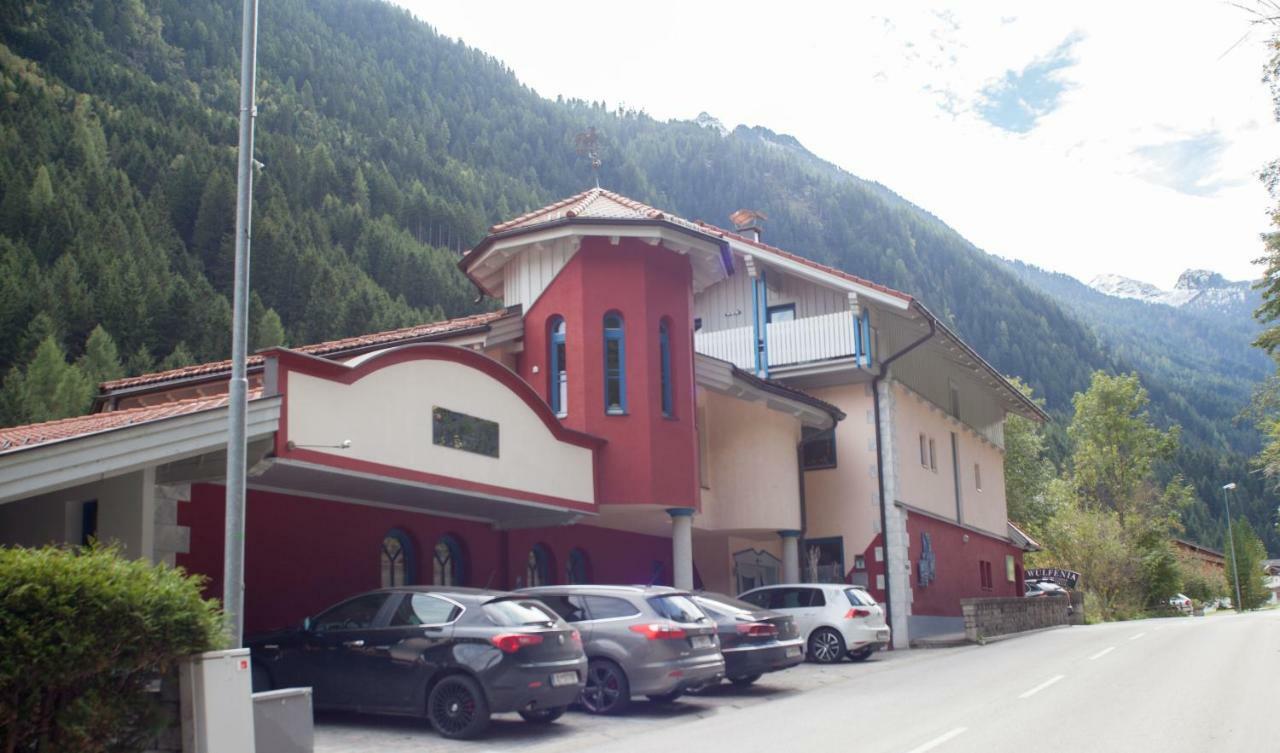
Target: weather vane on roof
(587,144)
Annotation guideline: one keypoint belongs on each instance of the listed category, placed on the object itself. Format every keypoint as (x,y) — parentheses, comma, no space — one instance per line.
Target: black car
(453,655)
(753,640)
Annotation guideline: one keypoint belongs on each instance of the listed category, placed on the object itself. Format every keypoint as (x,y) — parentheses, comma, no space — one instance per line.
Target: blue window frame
(447,566)
(557,376)
(397,559)
(576,571)
(615,365)
(783,312)
(664,357)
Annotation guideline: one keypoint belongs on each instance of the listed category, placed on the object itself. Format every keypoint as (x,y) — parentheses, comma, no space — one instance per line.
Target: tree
(49,388)
(1027,472)
(1247,564)
(101,360)
(1116,445)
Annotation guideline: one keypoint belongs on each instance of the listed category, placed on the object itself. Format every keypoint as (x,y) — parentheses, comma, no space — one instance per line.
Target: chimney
(749,223)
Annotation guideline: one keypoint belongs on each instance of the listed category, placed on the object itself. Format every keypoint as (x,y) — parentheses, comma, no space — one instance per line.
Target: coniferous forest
(385,151)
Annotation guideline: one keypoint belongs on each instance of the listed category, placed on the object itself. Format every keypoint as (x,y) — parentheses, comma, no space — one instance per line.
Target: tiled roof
(389,337)
(17,437)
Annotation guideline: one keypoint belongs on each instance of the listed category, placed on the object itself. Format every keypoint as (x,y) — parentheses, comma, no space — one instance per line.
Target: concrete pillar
(896,542)
(790,556)
(681,547)
(127,513)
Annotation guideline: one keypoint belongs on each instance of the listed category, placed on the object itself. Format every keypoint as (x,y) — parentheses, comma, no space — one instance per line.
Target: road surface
(1170,685)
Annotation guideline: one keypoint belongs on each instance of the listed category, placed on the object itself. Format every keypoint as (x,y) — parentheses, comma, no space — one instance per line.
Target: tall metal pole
(233,552)
(1235,566)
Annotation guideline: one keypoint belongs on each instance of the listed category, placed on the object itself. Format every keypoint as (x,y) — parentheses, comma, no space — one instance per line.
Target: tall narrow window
(615,364)
(664,348)
(446,568)
(933,455)
(576,569)
(537,570)
(924,451)
(977,476)
(558,382)
(397,559)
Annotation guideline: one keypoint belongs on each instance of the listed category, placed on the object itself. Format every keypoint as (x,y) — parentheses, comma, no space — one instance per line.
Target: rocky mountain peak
(1200,279)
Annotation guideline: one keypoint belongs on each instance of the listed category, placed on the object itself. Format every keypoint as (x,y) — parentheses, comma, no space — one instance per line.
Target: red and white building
(659,401)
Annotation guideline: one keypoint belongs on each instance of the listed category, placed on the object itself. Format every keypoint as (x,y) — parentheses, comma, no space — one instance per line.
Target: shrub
(83,632)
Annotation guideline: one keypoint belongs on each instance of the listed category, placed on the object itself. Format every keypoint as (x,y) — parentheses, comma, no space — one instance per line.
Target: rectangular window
(1010,569)
(462,432)
(819,449)
(955,400)
(615,364)
(664,376)
(977,476)
(933,456)
(88,522)
(704,449)
(924,451)
(984,574)
(785,312)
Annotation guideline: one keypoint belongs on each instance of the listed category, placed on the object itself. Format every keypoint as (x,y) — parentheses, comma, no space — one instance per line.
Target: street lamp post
(1235,566)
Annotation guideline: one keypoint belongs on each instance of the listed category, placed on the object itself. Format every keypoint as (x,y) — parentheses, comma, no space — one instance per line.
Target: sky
(1082,137)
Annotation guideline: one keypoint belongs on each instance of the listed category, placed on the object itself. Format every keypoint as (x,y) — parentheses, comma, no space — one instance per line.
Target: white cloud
(1106,178)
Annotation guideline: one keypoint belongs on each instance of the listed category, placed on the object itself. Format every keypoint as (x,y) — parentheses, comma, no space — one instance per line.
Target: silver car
(639,640)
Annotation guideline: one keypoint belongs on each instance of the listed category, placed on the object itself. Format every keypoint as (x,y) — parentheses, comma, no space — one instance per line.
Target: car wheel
(826,646)
(457,708)
(543,716)
(861,654)
(744,681)
(607,690)
(666,697)
(260,678)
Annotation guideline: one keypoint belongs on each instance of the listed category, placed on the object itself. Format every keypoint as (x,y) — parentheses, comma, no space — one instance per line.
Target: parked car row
(458,655)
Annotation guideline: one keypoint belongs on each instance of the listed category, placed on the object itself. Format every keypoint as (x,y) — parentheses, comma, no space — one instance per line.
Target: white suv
(834,619)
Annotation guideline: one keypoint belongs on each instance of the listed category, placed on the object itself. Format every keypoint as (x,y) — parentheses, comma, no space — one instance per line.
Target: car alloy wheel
(826,646)
(607,690)
(457,707)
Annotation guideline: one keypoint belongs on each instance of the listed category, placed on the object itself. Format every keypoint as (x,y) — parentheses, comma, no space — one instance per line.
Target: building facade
(660,401)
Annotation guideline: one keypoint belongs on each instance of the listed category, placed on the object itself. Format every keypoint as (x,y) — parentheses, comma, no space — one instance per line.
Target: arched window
(557,377)
(575,570)
(397,559)
(664,365)
(537,569)
(447,565)
(615,363)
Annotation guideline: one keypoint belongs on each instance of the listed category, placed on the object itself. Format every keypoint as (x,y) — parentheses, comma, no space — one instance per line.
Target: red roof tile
(19,437)
(595,202)
(389,337)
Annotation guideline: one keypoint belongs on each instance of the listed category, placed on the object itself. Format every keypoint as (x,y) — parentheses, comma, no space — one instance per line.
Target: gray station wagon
(639,640)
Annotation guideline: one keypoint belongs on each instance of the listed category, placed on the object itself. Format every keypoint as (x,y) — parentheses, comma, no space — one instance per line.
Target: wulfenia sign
(1065,578)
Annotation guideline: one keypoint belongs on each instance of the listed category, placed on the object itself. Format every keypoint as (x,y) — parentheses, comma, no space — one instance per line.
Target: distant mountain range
(1200,289)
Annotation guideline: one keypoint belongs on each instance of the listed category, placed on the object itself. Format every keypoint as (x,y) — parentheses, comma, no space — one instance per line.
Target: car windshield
(514,613)
(724,604)
(677,608)
(859,598)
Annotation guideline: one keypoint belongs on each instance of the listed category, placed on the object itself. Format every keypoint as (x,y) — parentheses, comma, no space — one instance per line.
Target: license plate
(560,679)
(793,651)
(701,641)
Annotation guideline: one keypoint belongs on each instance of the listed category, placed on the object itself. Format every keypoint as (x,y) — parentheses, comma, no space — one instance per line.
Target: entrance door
(754,568)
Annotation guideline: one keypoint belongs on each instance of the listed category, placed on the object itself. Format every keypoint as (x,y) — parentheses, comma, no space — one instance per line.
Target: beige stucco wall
(753,484)
(387,417)
(934,490)
(844,501)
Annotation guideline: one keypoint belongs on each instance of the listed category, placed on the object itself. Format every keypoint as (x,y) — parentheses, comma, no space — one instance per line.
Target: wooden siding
(529,273)
(815,338)
(727,304)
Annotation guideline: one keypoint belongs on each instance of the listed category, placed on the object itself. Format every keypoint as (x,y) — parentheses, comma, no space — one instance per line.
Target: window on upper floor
(783,312)
(977,476)
(615,363)
(664,369)
(557,374)
(955,400)
(924,450)
(819,449)
(933,456)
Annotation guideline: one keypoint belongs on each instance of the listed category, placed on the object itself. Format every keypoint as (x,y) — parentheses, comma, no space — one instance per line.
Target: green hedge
(83,632)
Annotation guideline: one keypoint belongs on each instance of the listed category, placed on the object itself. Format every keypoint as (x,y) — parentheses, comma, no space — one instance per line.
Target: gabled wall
(648,458)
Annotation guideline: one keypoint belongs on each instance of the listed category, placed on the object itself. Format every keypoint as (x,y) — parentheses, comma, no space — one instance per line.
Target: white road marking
(1136,637)
(1102,653)
(935,742)
(1042,686)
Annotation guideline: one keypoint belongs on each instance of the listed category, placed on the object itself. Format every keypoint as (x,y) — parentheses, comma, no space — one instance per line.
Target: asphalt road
(1168,685)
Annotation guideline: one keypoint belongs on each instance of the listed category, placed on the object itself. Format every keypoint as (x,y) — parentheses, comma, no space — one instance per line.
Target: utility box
(217,702)
(282,721)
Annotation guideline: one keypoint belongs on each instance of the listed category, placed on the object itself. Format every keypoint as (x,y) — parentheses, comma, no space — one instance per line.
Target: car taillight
(509,643)
(852,613)
(576,637)
(757,629)
(657,631)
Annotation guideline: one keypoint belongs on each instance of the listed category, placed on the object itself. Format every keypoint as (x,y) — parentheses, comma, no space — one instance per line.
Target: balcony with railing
(814,338)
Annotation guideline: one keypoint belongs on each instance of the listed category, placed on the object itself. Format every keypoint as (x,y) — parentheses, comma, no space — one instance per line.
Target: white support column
(681,547)
(127,513)
(897,562)
(790,556)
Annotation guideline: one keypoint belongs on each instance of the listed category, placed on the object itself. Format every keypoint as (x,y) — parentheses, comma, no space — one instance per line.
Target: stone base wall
(990,617)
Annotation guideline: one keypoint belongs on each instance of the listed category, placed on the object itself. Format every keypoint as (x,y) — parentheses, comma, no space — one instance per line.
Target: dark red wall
(649,459)
(304,554)
(957,567)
